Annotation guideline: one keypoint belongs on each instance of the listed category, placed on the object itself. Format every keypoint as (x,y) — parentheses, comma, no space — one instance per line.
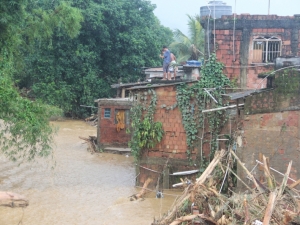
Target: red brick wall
(173,144)
(231,60)
(229,45)
(227,54)
(108,129)
(271,126)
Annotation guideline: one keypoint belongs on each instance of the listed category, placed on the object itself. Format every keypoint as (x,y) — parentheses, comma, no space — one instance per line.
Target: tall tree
(189,47)
(117,39)
(24,124)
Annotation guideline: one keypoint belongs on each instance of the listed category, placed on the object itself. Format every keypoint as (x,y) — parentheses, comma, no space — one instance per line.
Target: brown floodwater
(74,187)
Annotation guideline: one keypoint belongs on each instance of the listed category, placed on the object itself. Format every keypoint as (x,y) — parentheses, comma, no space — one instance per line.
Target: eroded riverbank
(82,189)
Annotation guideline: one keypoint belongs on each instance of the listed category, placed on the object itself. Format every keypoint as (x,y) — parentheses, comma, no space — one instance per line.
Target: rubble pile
(263,203)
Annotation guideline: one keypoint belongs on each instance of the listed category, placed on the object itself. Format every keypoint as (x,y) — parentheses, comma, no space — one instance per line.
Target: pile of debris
(265,203)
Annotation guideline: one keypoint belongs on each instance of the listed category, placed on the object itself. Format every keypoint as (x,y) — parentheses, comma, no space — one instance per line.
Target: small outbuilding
(113,120)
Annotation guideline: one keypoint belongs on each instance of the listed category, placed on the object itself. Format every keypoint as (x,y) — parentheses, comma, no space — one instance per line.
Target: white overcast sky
(172,13)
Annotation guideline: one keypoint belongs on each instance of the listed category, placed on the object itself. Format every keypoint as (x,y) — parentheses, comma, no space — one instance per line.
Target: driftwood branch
(183,219)
(142,192)
(10,199)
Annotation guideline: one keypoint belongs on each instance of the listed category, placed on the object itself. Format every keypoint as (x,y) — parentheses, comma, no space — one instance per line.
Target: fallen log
(11,199)
(142,192)
(183,219)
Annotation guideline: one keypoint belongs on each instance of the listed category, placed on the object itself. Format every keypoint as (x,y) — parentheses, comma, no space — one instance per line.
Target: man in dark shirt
(166,63)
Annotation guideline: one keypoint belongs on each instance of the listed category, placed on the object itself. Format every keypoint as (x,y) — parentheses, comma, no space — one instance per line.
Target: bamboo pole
(270,208)
(268,173)
(247,171)
(294,184)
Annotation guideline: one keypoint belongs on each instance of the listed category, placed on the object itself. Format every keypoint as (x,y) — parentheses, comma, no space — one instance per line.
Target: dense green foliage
(189,47)
(24,126)
(146,133)
(117,39)
(66,54)
(192,99)
(25,131)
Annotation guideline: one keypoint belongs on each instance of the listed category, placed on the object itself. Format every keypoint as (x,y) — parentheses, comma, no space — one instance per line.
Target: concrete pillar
(166,178)
(99,126)
(244,56)
(295,41)
(123,93)
(137,174)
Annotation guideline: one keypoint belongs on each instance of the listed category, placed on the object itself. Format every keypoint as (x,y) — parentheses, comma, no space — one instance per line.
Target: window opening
(126,116)
(266,49)
(107,113)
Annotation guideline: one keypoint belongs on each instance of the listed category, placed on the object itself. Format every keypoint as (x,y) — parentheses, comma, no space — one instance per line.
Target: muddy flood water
(81,189)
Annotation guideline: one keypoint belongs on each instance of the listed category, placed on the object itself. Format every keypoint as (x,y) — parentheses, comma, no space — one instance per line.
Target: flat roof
(243,94)
(113,99)
(170,83)
(129,84)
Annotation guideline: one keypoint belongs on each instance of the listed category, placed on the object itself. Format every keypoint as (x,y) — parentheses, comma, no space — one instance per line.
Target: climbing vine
(145,132)
(192,99)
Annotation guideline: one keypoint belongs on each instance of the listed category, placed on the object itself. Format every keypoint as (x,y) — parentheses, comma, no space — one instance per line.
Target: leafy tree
(24,124)
(117,39)
(189,47)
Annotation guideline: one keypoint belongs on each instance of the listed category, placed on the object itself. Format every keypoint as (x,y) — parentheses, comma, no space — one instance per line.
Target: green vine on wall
(146,133)
(192,99)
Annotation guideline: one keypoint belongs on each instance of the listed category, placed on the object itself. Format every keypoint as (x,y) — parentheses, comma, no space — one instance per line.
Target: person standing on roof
(166,63)
(173,67)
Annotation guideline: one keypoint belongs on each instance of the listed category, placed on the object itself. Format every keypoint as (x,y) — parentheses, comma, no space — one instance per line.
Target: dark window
(266,49)
(107,113)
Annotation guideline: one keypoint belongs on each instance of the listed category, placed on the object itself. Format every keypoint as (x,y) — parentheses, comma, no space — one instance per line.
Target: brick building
(249,44)
(109,133)
(172,148)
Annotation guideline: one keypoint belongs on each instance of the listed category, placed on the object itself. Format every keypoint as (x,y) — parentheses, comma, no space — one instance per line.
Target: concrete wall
(276,135)
(271,127)
(232,40)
